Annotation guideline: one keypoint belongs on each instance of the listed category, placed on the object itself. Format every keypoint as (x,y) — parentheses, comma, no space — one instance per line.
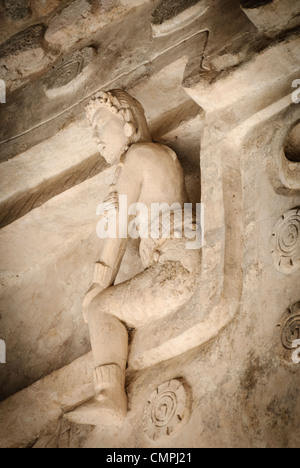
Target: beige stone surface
(23,57)
(292,144)
(132,3)
(44,270)
(47,239)
(148,173)
(25,416)
(222,365)
(79,19)
(44,8)
(37,175)
(113,65)
(246,400)
(181,20)
(24,179)
(253,82)
(275,17)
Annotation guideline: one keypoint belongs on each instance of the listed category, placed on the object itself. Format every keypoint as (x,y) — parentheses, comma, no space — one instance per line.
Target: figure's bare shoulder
(150,154)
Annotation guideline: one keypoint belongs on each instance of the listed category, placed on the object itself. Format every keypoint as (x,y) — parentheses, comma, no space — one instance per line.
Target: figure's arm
(107,268)
(113,250)
(111,253)
(105,273)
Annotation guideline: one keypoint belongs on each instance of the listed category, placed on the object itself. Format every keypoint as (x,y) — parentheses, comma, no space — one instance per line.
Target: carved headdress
(126,108)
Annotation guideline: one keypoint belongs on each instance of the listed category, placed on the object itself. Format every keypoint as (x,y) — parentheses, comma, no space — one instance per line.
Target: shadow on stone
(254,3)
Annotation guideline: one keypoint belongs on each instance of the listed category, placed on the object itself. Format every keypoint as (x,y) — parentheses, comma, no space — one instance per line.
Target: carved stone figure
(147,173)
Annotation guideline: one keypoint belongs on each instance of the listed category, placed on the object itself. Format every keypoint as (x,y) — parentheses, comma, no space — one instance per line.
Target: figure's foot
(109,408)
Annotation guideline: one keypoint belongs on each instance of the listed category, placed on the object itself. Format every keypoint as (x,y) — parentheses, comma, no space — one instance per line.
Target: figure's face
(109,135)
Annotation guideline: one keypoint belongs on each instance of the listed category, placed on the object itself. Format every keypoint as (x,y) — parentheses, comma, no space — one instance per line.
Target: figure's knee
(100,306)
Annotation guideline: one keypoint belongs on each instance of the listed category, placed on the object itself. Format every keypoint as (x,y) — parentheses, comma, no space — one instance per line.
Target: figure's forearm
(113,250)
(107,268)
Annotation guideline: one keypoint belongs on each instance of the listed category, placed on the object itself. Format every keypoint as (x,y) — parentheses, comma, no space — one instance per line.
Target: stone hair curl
(126,108)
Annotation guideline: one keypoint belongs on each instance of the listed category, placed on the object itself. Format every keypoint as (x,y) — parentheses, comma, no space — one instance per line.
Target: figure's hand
(94,290)
(109,207)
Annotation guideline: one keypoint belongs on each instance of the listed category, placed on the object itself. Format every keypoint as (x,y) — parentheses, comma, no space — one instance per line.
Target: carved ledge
(171,16)
(69,73)
(254,3)
(272,17)
(248,89)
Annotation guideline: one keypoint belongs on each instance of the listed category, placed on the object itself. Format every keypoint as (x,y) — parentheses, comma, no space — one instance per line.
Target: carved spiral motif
(166,410)
(288,333)
(286,242)
(291,331)
(65,73)
(68,69)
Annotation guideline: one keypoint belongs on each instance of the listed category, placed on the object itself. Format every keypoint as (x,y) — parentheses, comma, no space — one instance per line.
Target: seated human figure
(147,173)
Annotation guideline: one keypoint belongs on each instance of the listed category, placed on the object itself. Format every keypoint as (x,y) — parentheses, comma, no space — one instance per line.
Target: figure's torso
(152,174)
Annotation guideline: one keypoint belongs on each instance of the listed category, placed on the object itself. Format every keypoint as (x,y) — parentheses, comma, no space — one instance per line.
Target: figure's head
(118,121)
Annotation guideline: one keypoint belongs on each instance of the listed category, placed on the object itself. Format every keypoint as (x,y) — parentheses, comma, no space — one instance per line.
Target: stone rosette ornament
(67,69)
(288,335)
(167,410)
(286,242)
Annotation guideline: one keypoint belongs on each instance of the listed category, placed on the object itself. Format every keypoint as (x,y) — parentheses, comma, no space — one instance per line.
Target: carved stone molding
(68,69)
(272,16)
(169,16)
(281,140)
(286,242)
(167,410)
(289,156)
(291,330)
(115,65)
(288,333)
(292,144)
(254,3)
(65,73)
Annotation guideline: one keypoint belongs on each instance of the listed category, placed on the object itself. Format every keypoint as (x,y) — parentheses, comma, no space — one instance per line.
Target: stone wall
(216,78)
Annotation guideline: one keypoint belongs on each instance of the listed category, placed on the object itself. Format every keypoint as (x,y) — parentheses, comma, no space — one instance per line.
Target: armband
(100,273)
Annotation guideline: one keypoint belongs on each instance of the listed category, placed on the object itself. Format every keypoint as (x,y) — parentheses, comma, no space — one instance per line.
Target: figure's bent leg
(109,339)
(110,351)
(151,295)
(156,292)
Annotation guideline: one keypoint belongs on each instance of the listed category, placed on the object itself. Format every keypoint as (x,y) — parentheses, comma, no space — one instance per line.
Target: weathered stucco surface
(217,81)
